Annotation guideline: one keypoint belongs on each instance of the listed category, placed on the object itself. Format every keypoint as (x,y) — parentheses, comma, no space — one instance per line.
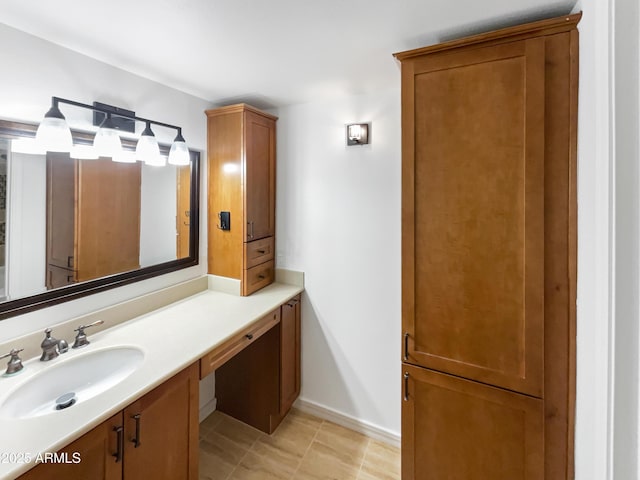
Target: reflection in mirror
(4,156)
(87,219)
(70,226)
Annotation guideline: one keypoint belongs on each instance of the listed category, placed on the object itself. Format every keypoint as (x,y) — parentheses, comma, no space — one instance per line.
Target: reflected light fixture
(124,157)
(83,152)
(357,134)
(26,145)
(54,135)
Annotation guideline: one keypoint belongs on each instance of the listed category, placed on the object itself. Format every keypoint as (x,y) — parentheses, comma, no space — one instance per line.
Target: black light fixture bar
(56,100)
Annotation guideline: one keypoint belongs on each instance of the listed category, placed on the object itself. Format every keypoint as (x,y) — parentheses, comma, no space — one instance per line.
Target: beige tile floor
(302,448)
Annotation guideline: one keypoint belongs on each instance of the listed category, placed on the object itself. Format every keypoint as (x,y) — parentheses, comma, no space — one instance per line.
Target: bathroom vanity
(146,425)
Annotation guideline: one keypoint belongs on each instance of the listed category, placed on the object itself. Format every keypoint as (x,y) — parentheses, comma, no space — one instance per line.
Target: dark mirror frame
(11,308)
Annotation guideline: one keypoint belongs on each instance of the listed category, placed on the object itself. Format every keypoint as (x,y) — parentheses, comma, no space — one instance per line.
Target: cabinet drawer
(258,277)
(258,251)
(238,342)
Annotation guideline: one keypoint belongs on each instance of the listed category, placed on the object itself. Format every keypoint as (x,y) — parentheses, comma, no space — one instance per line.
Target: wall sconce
(54,135)
(357,134)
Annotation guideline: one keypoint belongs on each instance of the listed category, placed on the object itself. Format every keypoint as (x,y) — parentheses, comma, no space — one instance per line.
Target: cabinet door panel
(260,156)
(166,431)
(455,429)
(474,203)
(289,354)
(107,218)
(94,453)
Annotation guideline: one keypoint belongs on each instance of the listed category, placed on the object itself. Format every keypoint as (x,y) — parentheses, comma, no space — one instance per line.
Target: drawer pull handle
(406,386)
(120,443)
(136,441)
(249,336)
(262,252)
(261,277)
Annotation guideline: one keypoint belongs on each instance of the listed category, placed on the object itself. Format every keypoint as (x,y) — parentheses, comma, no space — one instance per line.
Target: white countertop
(172,338)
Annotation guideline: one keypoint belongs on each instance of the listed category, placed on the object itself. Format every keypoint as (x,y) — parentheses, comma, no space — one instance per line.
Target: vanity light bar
(54,135)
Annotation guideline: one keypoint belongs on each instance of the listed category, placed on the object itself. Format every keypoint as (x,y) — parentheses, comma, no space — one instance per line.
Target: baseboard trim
(207,409)
(371,431)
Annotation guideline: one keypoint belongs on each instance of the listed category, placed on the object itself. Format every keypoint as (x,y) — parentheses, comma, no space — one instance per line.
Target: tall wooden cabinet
(93,218)
(242,184)
(489,254)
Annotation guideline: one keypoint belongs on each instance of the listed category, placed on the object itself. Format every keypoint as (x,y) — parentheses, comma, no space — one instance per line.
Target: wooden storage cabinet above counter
(242,180)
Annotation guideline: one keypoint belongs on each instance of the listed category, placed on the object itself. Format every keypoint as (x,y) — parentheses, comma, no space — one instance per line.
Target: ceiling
(271,53)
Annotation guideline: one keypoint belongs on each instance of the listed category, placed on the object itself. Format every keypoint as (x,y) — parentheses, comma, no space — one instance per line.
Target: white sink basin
(85,376)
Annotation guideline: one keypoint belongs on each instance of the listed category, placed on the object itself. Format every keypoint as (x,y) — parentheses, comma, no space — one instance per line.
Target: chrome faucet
(52,347)
(81,339)
(15,363)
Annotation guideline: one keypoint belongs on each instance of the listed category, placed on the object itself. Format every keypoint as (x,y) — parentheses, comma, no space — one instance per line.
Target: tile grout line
(241,459)
(307,450)
(363,457)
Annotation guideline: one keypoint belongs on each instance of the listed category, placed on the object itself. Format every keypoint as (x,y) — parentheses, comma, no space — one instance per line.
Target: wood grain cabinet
(241,173)
(259,384)
(289,354)
(94,456)
(93,219)
(489,254)
(155,437)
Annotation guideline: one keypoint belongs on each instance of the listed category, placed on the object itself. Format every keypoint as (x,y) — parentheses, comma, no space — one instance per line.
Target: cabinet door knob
(249,336)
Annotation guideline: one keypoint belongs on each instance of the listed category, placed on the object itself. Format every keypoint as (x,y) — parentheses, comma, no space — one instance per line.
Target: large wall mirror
(71,227)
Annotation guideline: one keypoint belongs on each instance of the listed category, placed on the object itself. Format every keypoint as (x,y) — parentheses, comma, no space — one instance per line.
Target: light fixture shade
(107,140)
(147,149)
(53,134)
(83,152)
(179,153)
(27,145)
(124,157)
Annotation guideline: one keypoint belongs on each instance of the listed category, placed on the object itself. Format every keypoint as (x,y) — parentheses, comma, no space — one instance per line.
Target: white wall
(627,238)
(158,214)
(608,250)
(338,220)
(36,70)
(593,443)
(26,261)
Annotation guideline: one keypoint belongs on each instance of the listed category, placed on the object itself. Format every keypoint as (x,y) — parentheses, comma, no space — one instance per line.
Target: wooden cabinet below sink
(155,437)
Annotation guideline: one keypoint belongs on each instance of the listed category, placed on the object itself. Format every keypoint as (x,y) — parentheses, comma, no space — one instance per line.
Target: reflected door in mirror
(93,219)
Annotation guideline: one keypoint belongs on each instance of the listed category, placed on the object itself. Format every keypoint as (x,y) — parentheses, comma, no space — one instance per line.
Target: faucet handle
(81,339)
(15,363)
(49,347)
